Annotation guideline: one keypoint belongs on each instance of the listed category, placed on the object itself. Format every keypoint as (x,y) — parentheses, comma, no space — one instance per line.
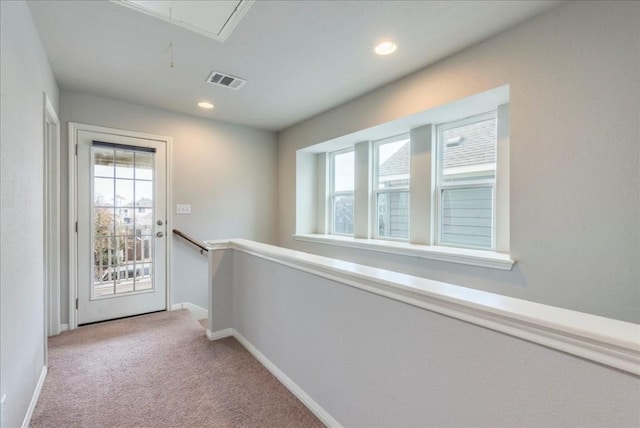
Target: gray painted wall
(226,172)
(24,76)
(575,173)
(373,361)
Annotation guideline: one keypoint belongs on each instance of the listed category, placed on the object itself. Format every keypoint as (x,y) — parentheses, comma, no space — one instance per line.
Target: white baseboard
(309,402)
(64,327)
(220,334)
(34,398)
(198,312)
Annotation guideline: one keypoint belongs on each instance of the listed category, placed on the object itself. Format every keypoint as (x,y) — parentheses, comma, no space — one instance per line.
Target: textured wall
(373,361)
(226,172)
(575,174)
(24,76)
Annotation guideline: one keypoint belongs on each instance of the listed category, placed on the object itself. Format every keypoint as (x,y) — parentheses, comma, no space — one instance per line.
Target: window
(466,182)
(342,175)
(391,188)
(433,185)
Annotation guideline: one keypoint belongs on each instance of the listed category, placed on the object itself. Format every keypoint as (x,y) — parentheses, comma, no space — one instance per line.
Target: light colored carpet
(160,370)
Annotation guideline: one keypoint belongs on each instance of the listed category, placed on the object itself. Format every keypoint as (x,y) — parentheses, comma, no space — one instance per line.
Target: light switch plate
(183,209)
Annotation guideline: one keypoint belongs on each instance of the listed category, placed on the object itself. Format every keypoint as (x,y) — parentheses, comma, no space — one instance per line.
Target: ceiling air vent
(221,79)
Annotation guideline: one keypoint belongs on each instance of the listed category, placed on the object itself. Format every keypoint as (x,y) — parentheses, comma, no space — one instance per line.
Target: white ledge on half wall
(604,340)
(487,259)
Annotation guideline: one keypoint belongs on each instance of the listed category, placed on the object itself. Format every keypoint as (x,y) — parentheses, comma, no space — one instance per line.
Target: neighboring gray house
(468,174)
(467,183)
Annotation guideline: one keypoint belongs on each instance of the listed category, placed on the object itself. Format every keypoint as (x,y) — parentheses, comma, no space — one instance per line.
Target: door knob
(159,234)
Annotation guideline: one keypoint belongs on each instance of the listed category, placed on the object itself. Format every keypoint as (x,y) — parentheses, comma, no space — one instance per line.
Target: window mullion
(422,177)
(362,216)
(394,190)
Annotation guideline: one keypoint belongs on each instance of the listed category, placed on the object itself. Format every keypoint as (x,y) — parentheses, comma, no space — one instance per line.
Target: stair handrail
(190,239)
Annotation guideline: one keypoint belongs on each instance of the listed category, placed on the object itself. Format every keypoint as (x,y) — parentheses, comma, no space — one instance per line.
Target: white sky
(344,172)
(344,164)
(126,188)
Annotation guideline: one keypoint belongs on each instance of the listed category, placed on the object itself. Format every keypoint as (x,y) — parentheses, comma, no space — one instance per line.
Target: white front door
(122,217)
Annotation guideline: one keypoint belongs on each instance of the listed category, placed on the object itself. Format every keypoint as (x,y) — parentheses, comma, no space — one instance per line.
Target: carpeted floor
(160,370)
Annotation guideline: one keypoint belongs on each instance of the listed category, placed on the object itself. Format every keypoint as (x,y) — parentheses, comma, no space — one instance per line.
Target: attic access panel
(214,19)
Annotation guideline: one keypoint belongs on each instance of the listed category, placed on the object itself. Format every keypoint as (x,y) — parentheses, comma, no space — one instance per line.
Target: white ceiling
(300,57)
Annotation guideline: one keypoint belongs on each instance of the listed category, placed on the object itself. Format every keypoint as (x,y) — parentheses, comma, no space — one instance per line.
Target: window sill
(486,259)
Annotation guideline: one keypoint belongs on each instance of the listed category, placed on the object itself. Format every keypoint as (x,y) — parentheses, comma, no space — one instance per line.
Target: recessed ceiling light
(205,104)
(385,48)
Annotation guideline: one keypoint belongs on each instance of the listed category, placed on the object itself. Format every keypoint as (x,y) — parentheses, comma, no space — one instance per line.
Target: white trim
(64,327)
(362,163)
(74,127)
(503,203)
(73,217)
(169,219)
(481,258)
(420,188)
(197,312)
(34,398)
(463,107)
(298,392)
(424,215)
(52,261)
(220,334)
(322,195)
(603,340)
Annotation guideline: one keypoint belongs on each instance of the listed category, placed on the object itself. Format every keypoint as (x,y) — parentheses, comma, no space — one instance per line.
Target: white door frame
(74,128)
(51,204)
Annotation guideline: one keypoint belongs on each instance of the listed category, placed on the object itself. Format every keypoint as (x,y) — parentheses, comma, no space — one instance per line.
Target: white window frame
(377,191)
(333,193)
(440,186)
(313,175)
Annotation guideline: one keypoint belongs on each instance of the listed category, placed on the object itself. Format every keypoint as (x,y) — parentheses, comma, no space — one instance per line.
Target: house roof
(396,164)
(478,144)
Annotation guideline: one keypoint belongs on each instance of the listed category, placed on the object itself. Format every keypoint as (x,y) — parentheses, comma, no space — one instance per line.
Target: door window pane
(104,251)
(144,166)
(144,194)
(103,163)
(122,221)
(124,192)
(144,222)
(103,192)
(143,278)
(124,164)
